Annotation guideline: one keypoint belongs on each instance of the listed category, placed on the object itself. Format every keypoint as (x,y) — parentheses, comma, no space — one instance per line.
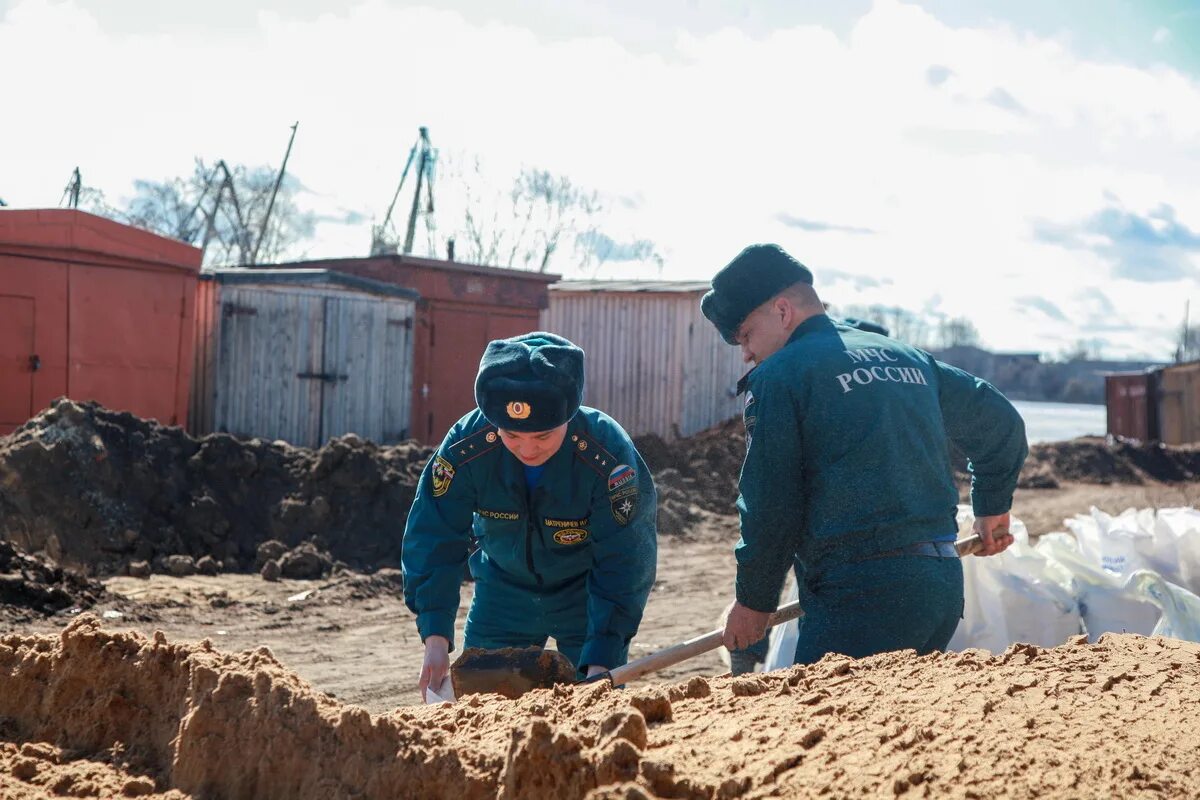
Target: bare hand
(436,664)
(993,532)
(744,627)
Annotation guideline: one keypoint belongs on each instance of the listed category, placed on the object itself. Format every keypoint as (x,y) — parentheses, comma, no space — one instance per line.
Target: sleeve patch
(443,474)
(624,503)
(621,475)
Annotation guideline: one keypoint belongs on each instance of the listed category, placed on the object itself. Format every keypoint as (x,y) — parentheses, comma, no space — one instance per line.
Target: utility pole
(1185,345)
(278,180)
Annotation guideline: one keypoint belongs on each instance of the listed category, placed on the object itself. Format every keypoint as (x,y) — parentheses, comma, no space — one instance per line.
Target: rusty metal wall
(653,362)
(93,310)
(1128,401)
(1179,403)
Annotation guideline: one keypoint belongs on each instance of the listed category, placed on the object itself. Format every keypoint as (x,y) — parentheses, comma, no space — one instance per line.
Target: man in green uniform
(562,508)
(847,474)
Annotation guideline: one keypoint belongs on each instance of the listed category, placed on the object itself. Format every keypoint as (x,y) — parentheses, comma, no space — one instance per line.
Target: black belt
(926,549)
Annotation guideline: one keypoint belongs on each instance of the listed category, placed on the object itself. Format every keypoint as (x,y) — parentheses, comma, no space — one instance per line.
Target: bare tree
(1188,343)
(958,332)
(537,218)
(902,324)
(221,210)
(1085,350)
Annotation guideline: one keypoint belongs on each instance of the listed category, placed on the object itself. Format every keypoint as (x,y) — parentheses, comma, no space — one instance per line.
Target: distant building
(1161,404)
(1024,376)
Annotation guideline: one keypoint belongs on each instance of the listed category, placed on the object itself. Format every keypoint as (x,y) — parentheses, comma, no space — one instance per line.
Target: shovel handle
(971,545)
(685,650)
(968,545)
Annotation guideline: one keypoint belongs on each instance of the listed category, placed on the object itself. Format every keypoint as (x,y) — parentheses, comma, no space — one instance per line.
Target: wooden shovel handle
(692,647)
(966,546)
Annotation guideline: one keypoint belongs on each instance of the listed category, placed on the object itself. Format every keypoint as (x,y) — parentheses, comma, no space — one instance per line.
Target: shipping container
(1129,401)
(1178,411)
(93,310)
(462,308)
(303,356)
(654,363)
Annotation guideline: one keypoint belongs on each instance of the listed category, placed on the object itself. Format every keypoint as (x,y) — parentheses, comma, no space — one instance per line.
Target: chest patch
(571,536)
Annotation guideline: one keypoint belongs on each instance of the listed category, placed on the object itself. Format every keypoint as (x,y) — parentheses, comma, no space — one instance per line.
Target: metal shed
(462,308)
(1178,392)
(302,355)
(93,310)
(1130,403)
(1160,404)
(654,363)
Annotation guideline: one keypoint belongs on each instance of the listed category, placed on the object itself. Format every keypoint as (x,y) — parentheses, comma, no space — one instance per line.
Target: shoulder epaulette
(591,452)
(473,446)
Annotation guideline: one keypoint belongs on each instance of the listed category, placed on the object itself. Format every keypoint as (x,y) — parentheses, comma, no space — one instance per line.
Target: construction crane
(71,193)
(225,201)
(384,239)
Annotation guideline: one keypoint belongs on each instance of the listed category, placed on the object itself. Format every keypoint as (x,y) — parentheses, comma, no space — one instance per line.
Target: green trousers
(504,615)
(879,605)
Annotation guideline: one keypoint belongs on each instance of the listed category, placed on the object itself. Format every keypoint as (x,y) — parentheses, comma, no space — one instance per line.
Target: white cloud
(717,139)
(1162,36)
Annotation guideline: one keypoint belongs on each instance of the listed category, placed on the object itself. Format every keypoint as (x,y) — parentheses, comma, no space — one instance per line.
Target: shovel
(513,671)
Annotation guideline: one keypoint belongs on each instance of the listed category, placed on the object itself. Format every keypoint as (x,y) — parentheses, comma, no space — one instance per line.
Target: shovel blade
(510,672)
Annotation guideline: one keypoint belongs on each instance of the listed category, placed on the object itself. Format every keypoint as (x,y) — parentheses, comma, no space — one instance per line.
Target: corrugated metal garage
(654,363)
(93,310)
(302,356)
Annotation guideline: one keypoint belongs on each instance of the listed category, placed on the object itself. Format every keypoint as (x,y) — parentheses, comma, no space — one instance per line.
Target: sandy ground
(352,638)
(94,713)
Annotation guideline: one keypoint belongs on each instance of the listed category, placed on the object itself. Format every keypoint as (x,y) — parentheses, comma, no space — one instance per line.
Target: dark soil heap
(99,489)
(30,585)
(706,466)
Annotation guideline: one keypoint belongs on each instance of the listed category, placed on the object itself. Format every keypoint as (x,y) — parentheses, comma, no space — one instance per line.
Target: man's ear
(784,310)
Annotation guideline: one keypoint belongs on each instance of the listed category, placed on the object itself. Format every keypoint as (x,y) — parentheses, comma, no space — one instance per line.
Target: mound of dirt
(1107,460)
(148,717)
(702,471)
(697,472)
(30,585)
(99,489)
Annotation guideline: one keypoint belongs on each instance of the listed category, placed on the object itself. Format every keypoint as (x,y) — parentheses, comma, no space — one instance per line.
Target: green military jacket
(847,452)
(593,513)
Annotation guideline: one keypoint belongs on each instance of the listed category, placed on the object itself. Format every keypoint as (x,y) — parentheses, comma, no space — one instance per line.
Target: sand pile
(98,490)
(144,716)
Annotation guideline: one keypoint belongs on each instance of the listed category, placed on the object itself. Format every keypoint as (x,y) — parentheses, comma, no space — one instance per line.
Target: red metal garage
(462,308)
(94,310)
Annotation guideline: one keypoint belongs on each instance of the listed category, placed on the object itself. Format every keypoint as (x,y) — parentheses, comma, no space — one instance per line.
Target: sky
(1033,167)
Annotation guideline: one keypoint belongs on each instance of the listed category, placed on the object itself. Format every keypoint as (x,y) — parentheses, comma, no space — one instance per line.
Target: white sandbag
(1106,603)
(1121,544)
(1183,526)
(1180,609)
(1016,596)
(782,651)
